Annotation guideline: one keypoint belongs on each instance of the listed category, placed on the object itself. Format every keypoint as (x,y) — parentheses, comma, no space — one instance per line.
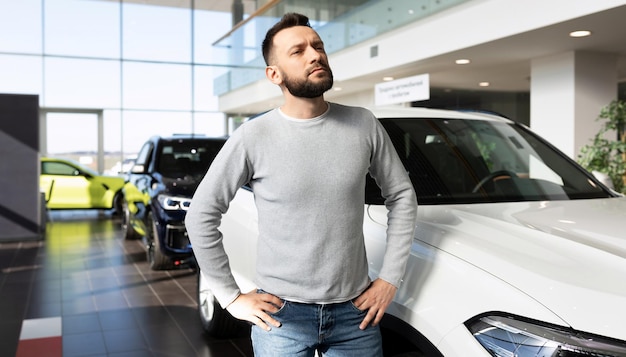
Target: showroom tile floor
(85,291)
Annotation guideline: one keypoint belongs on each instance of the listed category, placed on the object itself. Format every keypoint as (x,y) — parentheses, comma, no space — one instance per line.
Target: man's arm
(401,202)
(256,308)
(227,173)
(375,300)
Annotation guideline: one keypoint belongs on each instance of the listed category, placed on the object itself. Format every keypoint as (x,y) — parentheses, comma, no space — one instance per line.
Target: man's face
(302,62)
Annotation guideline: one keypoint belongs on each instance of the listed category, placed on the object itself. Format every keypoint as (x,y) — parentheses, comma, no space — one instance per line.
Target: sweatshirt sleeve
(227,173)
(401,202)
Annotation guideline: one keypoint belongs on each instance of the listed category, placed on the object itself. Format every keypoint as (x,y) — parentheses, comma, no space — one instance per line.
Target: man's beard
(306,88)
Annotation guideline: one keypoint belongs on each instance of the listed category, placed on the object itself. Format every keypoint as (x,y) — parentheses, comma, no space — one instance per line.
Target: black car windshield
(190,157)
(454,161)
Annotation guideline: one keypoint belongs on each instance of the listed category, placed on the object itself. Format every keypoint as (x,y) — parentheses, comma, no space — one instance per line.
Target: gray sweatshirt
(308,179)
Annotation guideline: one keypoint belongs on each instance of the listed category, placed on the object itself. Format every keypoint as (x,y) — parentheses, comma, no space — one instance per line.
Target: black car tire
(156,258)
(216,321)
(127,228)
(118,204)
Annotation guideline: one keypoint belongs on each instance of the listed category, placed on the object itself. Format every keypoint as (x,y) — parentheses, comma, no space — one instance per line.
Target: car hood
(570,256)
(184,187)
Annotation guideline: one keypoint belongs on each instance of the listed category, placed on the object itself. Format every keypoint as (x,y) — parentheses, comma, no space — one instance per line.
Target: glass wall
(340,24)
(147,66)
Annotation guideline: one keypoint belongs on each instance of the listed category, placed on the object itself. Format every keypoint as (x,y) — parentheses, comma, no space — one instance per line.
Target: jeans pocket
(280,308)
(356,308)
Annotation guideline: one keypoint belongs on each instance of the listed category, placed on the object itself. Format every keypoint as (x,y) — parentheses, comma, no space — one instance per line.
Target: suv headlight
(174,203)
(509,336)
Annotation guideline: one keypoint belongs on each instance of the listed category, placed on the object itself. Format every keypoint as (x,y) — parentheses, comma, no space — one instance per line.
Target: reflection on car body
(518,250)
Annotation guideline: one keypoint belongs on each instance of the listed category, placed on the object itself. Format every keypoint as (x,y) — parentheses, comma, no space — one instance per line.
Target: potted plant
(608,156)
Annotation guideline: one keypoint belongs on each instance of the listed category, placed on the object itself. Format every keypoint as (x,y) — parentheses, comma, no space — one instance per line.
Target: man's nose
(314,54)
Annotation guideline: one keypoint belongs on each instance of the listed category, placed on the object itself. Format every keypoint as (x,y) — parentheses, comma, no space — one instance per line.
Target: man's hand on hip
(375,299)
(255,307)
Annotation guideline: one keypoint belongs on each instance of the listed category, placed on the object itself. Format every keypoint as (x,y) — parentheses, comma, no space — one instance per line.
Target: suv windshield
(180,158)
(475,161)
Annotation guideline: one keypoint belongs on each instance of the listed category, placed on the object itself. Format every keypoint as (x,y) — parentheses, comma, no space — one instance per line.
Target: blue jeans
(331,329)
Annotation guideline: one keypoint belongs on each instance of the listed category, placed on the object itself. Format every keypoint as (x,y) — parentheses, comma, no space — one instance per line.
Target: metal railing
(339,24)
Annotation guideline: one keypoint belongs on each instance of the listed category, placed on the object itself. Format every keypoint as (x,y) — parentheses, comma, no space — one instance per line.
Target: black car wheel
(118,204)
(216,321)
(156,258)
(127,228)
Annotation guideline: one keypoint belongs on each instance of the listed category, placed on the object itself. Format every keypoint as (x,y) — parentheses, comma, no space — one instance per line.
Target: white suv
(518,250)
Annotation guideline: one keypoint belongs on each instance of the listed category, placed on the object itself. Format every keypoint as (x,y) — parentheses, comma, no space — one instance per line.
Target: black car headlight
(510,336)
(174,203)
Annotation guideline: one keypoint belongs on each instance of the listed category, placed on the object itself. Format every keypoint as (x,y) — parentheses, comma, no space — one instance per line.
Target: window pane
(20,26)
(114,158)
(81,83)
(139,126)
(157,33)
(112,131)
(157,86)
(209,26)
(61,141)
(210,124)
(82,28)
(20,74)
(204,99)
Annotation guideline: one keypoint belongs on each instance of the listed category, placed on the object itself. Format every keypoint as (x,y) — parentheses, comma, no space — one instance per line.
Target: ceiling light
(387,79)
(462,61)
(582,33)
(484,84)
(337,89)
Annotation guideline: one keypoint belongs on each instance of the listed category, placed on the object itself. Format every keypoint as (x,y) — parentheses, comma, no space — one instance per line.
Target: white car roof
(417,112)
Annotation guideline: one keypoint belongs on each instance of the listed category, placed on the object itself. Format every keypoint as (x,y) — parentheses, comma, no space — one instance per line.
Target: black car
(158,191)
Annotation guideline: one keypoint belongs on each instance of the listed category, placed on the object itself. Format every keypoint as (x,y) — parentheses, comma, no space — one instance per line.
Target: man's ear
(273,74)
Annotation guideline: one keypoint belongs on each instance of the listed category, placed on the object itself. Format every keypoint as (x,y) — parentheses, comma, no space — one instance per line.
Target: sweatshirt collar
(300,120)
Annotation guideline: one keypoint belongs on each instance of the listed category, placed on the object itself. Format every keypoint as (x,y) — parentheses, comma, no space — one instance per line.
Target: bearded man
(306,163)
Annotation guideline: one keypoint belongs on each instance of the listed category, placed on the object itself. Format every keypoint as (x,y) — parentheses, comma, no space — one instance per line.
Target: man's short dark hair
(288,20)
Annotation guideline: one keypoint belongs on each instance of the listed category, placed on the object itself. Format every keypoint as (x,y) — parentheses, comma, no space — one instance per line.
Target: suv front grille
(176,237)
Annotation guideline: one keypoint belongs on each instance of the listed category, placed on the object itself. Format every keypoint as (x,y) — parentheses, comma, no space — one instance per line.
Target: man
(306,163)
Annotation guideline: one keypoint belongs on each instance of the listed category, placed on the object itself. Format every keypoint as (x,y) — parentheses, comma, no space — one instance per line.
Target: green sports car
(67,184)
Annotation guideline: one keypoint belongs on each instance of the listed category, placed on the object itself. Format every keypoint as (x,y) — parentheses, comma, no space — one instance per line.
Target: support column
(22,207)
(237,12)
(567,92)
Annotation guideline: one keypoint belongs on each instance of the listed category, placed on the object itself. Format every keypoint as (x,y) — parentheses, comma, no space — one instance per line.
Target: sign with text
(403,90)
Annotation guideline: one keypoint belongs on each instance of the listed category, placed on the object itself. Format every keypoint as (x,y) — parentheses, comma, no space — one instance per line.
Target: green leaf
(605,155)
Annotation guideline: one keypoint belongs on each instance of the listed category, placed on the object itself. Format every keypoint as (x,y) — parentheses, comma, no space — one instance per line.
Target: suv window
(473,161)
(179,158)
(143,157)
